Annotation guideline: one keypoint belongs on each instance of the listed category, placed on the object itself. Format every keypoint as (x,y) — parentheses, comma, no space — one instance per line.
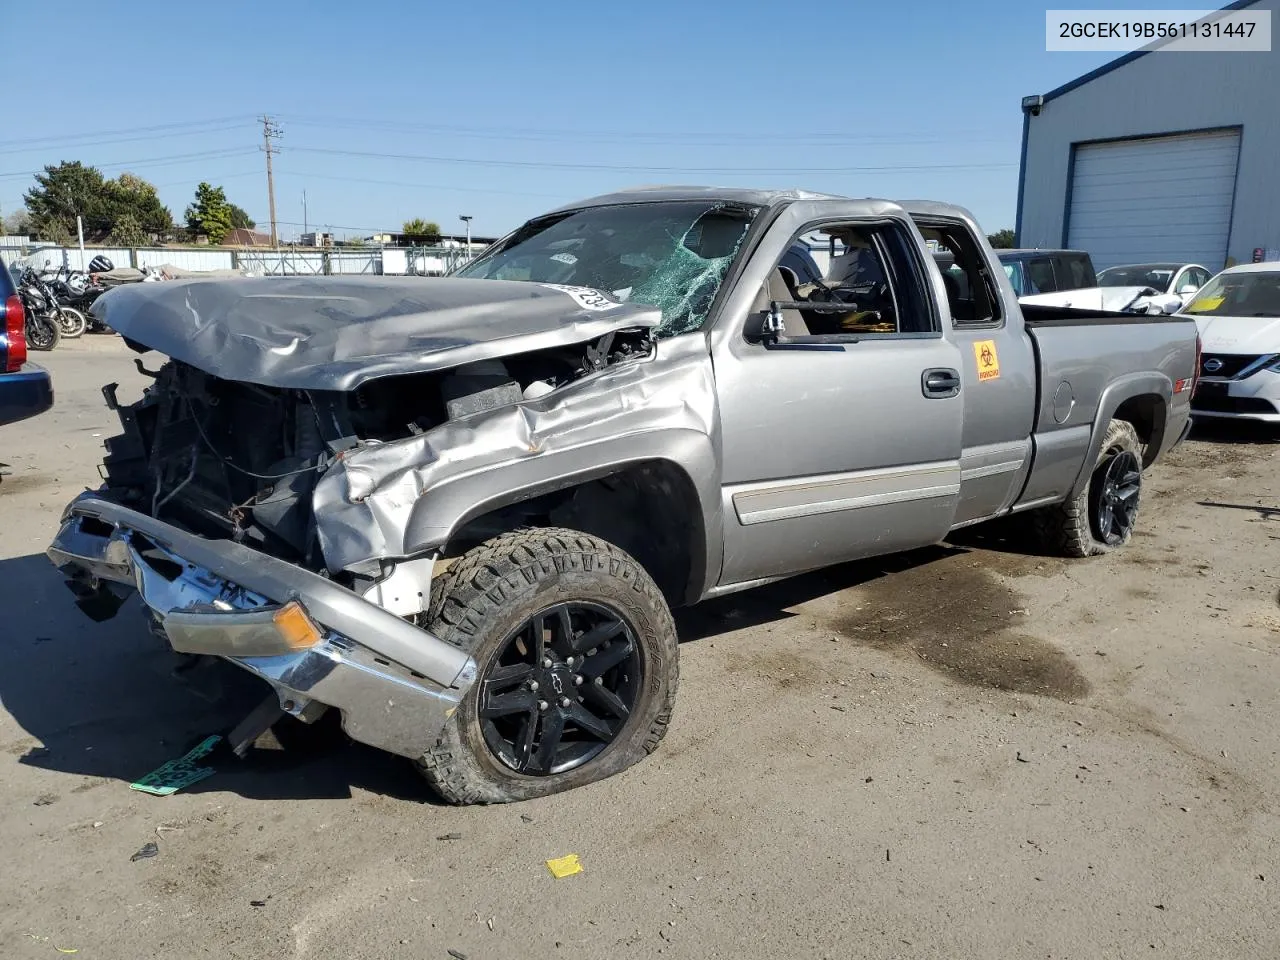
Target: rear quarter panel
(1088,369)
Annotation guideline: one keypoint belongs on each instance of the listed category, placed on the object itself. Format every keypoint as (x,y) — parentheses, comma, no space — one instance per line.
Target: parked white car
(1238,313)
(1178,279)
(1108,299)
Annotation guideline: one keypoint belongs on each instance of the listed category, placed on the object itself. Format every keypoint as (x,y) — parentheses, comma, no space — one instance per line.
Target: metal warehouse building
(1157,156)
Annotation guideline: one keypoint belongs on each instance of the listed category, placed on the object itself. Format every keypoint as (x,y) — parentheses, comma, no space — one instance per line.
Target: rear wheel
(1103,516)
(71,322)
(576,662)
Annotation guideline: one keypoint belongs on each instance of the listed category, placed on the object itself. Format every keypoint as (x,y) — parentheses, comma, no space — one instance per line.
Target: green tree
(1001,239)
(134,209)
(60,194)
(71,188)
(210,214)
(239,219)
(419,229)
(128,232)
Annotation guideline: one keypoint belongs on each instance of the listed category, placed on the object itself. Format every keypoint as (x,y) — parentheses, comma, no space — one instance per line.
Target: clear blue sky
(560,99)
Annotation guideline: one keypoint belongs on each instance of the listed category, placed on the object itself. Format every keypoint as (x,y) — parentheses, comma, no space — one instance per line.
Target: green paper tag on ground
(176,774)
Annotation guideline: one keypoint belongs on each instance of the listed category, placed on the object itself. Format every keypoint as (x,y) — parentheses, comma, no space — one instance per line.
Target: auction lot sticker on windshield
(984,351)
(585,297)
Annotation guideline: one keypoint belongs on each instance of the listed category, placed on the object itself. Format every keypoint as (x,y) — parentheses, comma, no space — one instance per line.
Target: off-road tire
(482,599)
(1065,529)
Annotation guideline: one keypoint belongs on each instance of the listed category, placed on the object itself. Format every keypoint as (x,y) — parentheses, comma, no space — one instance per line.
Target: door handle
(940,383)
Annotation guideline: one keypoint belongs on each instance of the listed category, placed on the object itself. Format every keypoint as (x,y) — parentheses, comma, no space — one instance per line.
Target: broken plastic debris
(65,949)
(182,772)
(565,866)
(148,850)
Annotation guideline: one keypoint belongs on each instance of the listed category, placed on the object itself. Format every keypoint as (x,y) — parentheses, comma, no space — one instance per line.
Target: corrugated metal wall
(1162,94)
(288,261)
(186,259)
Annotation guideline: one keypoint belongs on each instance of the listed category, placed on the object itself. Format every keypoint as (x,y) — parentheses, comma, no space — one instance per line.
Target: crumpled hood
(1239,334)
(335,333)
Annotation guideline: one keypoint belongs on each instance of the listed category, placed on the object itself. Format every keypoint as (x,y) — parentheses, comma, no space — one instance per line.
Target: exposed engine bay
(230,459)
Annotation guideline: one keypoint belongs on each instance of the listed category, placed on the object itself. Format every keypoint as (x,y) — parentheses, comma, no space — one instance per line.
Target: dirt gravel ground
(965,752)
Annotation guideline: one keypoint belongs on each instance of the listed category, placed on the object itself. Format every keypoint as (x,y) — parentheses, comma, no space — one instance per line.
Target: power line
(148,162)
(654,137)
(38,142)
(102,143)
(352,179)
(641,168)
(205,177)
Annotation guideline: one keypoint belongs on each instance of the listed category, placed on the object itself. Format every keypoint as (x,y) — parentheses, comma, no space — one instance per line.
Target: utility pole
(271,131)
(467,220)
(304,212)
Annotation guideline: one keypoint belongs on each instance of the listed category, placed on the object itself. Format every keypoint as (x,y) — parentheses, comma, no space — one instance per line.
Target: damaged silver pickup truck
(459,510)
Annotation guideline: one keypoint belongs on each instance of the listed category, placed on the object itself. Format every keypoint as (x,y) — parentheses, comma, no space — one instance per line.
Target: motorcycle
(76,292)
(40,301)
(43,331)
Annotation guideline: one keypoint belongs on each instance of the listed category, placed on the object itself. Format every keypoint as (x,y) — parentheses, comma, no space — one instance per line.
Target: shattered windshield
(1247,294)
(669,255)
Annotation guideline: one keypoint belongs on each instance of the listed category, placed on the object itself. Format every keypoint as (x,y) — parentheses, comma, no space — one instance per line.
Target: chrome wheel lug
(546,662)
(599,681)
(542,704)
(533,684)
(577,680)
(564,702)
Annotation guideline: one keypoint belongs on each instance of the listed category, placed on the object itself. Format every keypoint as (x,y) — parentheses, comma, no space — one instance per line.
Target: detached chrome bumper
(395,684)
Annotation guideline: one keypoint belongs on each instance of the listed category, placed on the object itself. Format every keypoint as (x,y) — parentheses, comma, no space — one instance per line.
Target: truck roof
(764,198)
(754,197)
(1036,251)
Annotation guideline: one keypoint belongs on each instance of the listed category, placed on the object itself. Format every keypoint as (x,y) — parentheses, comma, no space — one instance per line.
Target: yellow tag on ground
(984,351)
(564,866)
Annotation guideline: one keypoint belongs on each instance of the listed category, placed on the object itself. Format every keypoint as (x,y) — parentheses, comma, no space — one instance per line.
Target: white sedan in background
(1238,313)
(1181,280)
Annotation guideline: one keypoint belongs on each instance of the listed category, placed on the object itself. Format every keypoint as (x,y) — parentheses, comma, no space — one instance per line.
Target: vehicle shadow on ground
(771,603)
(104,700)
(101,700)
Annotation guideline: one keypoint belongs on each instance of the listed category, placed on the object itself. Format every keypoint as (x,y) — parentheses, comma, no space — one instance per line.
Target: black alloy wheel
(1114,493)
(560,688)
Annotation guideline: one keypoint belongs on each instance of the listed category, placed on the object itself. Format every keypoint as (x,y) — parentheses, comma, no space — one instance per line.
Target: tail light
(15,333)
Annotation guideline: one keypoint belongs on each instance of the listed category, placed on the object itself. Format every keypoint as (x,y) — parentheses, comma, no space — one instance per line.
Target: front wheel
(576,661)
(71,322)
(1103,516)
(43,332)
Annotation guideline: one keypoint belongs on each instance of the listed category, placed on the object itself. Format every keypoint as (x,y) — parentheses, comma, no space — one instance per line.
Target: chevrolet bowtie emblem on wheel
(1212,366)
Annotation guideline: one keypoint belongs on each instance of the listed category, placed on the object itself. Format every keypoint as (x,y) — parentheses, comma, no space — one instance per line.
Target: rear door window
(1040,275)
(1075,273)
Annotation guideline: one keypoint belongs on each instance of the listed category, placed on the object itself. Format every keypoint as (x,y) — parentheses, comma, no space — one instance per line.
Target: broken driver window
(672,255)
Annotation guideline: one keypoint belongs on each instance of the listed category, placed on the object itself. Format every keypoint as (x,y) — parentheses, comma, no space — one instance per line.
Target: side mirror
(1187,289)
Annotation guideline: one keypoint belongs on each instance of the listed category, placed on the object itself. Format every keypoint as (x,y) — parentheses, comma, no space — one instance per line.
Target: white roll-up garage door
(1159,198)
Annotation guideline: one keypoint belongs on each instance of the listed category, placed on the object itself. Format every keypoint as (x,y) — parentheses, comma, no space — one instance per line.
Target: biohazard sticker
(586,297)
(984,351)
